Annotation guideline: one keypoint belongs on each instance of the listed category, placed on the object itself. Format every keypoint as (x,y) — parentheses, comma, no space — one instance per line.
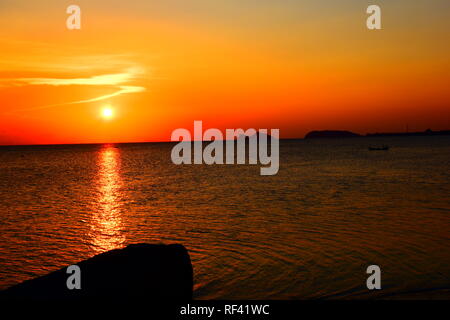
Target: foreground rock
(140,271)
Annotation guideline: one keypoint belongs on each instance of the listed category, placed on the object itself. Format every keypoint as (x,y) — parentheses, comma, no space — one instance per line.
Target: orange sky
(160,65)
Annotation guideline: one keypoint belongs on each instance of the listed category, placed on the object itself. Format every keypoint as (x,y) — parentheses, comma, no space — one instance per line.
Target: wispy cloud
(116,80)
(103,80)
(122,90)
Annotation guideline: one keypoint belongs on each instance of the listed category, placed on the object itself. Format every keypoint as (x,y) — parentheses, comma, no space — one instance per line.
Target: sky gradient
(160,65)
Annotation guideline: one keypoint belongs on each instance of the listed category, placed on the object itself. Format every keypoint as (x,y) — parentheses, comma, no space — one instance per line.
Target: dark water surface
(311,231)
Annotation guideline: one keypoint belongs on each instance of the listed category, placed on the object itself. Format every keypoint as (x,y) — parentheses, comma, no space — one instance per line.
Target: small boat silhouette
(378,148)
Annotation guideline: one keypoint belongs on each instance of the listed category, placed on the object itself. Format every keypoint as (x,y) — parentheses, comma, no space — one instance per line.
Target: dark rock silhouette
(331,134)
(139,271)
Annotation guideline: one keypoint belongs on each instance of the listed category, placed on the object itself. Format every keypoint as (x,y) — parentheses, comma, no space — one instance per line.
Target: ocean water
(309,232)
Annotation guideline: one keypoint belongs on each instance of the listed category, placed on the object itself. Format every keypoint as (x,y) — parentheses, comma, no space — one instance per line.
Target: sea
(309,232)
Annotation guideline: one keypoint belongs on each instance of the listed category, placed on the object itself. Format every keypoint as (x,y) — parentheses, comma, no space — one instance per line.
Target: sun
(107,113)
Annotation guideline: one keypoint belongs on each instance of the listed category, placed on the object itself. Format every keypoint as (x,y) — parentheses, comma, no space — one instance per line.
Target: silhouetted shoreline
(427,132)
(327,134)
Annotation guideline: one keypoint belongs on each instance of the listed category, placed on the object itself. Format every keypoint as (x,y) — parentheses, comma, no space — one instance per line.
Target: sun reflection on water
(106,224)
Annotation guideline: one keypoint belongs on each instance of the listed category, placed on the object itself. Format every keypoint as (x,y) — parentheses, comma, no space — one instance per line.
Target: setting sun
(107,113)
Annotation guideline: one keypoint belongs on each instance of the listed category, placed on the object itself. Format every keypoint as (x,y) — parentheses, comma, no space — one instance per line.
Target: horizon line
(368,135)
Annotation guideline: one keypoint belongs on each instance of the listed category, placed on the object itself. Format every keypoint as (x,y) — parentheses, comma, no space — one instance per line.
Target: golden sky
(159,65)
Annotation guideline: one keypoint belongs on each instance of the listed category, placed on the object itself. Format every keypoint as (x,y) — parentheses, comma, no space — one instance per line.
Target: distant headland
(329,134)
